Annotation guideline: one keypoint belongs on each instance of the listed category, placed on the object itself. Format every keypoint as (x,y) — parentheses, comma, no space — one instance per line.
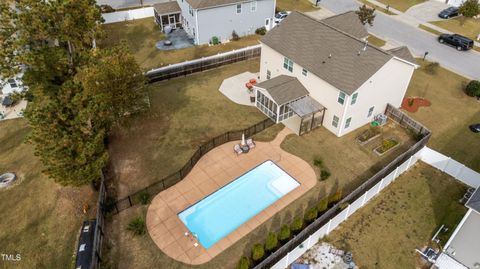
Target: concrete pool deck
(217,168)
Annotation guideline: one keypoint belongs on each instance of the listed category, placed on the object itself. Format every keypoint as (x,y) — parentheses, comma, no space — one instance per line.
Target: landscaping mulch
(410,106)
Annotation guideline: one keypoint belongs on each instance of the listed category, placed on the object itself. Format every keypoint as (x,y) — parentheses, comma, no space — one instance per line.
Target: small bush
(411,101)
(311,215)
(322,205)
(297,225)
(106,9)
(271,242)
(324,174)
(261,31)
(244,263)
(137,226)
(473,88)
(109,204)
(258,252)
(215,40)
(342,206)
(432,68)
(318,162)
(284,234)
(469,8)
(336,197)
(235,36)
(144,197)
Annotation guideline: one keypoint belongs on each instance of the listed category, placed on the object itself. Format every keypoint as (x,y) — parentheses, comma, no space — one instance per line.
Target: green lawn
(39,219)
(449,115)
(376,41)
(468,27)
(404,216)
(295,5)
(142,35)
(379,8)
(401,5)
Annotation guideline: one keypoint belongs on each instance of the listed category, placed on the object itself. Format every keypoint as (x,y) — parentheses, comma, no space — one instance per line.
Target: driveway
(419,41)
(427,11)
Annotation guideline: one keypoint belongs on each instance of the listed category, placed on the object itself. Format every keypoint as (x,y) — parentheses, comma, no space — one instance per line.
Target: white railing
(128,15)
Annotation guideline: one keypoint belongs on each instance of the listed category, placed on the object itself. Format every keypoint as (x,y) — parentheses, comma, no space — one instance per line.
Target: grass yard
(379,8)
(39,219)
(142,35)
(401,5)
(468,27)
(184,113)
(404,216)
(376,41)
(449,115)
(295,5)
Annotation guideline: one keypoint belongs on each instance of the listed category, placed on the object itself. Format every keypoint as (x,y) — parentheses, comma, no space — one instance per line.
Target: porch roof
(474,201)
(305,106)
(167,8)
(283,89)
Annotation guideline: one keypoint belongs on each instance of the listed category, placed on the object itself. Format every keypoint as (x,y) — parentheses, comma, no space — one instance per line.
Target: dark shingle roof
(211,3)
(167,7)
(283,89)
(403,53)
(349,23)
(474,201)
(331,54)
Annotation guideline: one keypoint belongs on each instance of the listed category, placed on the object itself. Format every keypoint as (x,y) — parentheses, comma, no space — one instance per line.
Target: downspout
(197,34)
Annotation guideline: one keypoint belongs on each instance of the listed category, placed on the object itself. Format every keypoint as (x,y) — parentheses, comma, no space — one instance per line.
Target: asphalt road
(417,40)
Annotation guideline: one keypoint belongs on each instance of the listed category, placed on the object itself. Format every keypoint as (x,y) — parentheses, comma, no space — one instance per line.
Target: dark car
(448,13)
(457,41)
(475,128)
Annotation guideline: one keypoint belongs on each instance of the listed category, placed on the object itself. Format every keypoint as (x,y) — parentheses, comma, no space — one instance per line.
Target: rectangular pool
(223,211)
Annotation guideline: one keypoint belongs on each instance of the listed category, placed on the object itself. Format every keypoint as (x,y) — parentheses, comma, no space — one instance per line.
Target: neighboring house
(10,86)
(204,19)
(325,73)
(462,251)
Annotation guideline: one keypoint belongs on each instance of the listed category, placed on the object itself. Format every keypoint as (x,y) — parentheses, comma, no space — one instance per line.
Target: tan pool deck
(217,168)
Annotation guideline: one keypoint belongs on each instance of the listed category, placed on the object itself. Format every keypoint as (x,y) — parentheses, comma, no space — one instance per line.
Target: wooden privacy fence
(202,64)
(276,258)
(174,178)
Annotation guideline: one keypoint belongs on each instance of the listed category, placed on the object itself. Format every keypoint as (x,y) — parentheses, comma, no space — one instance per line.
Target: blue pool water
(223,211)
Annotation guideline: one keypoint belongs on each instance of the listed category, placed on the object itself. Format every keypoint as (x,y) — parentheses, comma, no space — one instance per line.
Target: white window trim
(348,122)
(253,6)
(236,8)
(370,111)
(354,98)
(343,99)
(288,61)
(304,72)
(337,121)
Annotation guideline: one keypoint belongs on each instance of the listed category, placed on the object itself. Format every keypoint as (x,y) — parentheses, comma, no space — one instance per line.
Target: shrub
(469,8)
(109,204)
(284,234)
(297,225)
(244,263)
(337,196)
(106,9)
(473,88)
(137,226)
(271,242)
(258,252)
(261,31)
(342,206)
(318,162)
(235,36)
(215,40)
(144,197)
(324,174)
(411,101)
(311,215)
(322,205)
(432,68)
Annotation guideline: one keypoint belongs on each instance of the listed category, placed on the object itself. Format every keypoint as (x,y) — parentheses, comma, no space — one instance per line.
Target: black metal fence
(174,178)
(202,64)
(395,115)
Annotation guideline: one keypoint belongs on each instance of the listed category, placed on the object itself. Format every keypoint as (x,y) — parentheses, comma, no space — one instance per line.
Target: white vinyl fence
(429,156)
(128,15)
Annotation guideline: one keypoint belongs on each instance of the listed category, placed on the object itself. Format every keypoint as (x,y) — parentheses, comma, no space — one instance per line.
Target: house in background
(204,19)
(324,72)
(462,251)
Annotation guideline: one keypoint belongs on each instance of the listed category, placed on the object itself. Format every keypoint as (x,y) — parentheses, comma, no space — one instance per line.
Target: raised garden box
(387,145)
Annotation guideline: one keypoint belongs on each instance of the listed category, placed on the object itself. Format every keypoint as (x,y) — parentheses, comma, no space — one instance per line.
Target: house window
(269,74)
(288,64)
(267,106)
(253,6)
(12,82)
(304,72)
(354,98)
(335,121)
(347,123)
(370,111)
(341,98)
(239,8)
(190,10)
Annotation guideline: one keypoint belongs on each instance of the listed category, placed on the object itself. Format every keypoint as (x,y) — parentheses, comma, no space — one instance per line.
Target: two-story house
(204,19)
(325,73)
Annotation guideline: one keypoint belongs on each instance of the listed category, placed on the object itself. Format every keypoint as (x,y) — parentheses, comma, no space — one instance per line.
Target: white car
(280,16)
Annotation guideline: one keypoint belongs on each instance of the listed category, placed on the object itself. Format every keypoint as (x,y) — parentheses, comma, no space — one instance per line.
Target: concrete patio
(179,39)
(214,170)
(234,88)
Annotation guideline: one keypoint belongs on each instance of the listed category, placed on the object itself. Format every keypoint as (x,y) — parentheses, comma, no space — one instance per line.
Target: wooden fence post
(130,200)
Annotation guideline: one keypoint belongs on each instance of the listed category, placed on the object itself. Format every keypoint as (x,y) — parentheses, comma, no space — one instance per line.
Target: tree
(469,8)
(473,88)
(311,215)
(244,263)
(271,242)
(284,234)
(297,225)
(322,205)
(366,15)
(79,93)
(258,252)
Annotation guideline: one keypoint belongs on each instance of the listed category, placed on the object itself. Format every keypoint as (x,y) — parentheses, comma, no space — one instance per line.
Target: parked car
(280,16)
(448,13)
(475,128)
(457,41)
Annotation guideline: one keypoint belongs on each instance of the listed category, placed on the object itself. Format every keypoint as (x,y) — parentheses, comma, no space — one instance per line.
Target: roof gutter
(407,62)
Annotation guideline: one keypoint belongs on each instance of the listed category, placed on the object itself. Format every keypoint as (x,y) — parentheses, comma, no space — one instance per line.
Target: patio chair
(250,143)
(237,149)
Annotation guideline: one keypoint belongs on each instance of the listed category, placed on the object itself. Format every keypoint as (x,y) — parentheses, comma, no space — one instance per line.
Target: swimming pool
(223,211)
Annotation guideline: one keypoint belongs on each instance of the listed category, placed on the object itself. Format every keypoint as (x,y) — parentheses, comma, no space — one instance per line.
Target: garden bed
(412,104)
(387,145)
(368,135)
